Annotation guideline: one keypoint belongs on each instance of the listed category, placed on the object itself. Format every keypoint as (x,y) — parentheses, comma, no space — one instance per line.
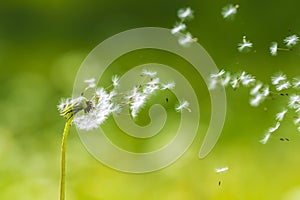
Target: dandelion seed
(169,86)
(266,138)
(221,170)
(245,45)
(186,40)
(273,129)
(212,84)
(91,82)
(178,28)
(294,101)
(273,48)
(256,89)
(149,73)
(291,40)
(246,79)
(235,83)
(298,128)
(183,105)
(226,80)
(266,91)
(297,120)
(283,86)
(217,75)
(296,83)
(229,11)
(185,13)
(280,116)
(137,102)
(255,101)
(278,78)
(115,80)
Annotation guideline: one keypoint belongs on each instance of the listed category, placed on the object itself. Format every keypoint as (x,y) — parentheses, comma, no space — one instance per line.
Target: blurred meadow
(42,45)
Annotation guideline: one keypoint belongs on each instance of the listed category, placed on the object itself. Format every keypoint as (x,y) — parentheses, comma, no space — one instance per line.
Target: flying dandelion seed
(229,11)
(186,40)
(221,170)
(245,45)
(179,27)
(266,138)
(185,14)
(291,40)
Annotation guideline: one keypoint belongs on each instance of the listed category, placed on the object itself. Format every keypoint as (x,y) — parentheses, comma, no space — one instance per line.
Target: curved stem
(63,158)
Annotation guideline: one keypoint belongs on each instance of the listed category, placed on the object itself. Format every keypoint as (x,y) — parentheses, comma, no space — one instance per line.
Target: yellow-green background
(42,44)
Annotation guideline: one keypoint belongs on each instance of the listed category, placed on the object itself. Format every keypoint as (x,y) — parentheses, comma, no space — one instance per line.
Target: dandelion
(229,11)
(291,40)
(183,105)
(245,45)
(278,78)
(186,40)
(185,13)
(280,116)
(273,129)
(266,138)
(212,84)
(178,28)
(222,169)
(283,86)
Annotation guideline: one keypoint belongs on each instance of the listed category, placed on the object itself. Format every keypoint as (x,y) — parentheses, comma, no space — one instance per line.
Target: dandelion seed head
(291,40)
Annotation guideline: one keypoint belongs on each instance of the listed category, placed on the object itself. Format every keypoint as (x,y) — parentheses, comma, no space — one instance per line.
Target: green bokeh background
(42,45)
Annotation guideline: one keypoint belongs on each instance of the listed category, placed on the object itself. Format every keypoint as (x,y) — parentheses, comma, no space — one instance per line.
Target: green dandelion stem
(63,158)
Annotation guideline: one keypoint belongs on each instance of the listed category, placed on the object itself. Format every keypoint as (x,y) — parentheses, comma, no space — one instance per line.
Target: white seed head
(245,45)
